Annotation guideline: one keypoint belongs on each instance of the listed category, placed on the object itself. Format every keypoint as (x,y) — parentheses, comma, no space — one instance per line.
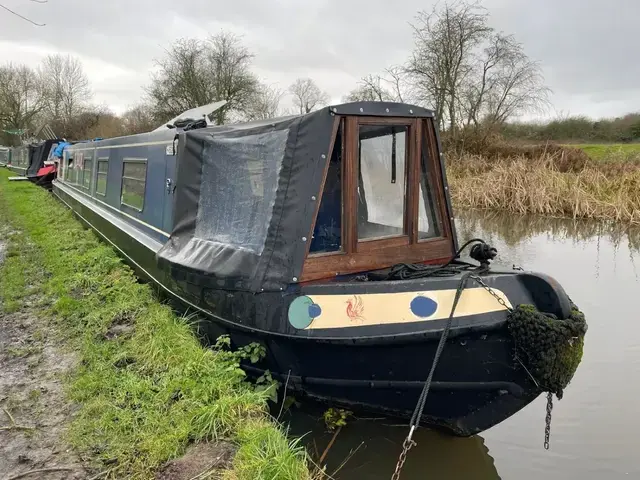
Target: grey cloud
(587,47)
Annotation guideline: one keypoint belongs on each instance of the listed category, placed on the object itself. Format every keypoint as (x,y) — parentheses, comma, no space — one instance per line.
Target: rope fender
(550,349)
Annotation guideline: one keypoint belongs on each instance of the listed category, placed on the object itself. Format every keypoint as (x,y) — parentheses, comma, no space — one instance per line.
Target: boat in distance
(328,238)
(36,161)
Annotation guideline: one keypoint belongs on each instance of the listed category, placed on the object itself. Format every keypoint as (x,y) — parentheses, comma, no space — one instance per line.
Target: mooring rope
(404,271)
(422,400)
(552,347)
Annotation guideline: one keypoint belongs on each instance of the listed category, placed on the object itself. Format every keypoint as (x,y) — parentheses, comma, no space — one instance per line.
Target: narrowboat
(328,238)
(43,162)
(19,160)
(5,156)
(36,161)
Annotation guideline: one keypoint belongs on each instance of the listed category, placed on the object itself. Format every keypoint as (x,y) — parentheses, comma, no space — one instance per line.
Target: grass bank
(610,151)
(555,182)
(145,387)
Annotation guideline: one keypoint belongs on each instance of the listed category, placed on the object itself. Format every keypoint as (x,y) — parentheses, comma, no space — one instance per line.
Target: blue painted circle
(423,306)
(300,312)
(314,310)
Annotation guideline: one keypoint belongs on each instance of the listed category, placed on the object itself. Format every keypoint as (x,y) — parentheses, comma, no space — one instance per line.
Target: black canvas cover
(244,201)
(38,153)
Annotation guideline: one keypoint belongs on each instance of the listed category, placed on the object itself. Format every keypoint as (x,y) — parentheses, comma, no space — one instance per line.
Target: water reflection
(368,449)
(594,429)
(515,232)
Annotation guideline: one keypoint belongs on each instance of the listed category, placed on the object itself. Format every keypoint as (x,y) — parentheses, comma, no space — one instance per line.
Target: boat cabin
(262,205)
(343,190)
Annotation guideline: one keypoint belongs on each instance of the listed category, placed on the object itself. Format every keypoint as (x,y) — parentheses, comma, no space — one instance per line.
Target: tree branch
(22,17)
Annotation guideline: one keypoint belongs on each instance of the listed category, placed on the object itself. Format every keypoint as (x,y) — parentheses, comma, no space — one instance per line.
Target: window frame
(367,244)
(84,173)
(106,174)
(62,169)
(72,161)
(338,126)
(376,253)
(122,178)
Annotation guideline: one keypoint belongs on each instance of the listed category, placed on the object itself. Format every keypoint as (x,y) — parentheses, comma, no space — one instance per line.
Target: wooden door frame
(358,256)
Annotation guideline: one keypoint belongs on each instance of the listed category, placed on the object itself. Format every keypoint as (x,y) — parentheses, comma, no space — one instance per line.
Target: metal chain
(547,428)
(490,290)
(409,443)
(406,446)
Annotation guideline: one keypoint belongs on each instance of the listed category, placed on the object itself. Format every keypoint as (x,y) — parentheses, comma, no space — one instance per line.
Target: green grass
(143,397)
(609,150)
(17,277)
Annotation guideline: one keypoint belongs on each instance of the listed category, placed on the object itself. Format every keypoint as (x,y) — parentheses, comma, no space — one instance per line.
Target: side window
(134,173)
(87,171)
(101,180)
(327,233)
(429,218)
(78,159)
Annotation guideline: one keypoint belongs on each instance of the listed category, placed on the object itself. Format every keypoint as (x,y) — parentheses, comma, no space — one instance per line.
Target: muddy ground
(35,415)
(33,410)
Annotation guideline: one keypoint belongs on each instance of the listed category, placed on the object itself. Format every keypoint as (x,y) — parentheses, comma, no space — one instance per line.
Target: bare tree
(443,57)
(196,72)
(21,98)
(230,62)
(264,104)
(182,80)
(511,83)
(470,74)
(307,95)
(95,121)
(66,90)
(138,119)
(390,87)
(22,16)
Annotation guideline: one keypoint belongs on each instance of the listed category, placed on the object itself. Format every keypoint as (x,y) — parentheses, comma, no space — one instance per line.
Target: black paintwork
(38,154)
(477,384)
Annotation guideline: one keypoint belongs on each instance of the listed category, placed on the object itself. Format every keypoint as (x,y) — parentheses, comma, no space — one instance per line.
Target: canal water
(595,427)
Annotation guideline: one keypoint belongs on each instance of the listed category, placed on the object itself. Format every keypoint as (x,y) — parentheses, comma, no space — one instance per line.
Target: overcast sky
(588,48)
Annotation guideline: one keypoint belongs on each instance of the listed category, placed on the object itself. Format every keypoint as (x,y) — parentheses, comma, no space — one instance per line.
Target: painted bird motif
(355,309)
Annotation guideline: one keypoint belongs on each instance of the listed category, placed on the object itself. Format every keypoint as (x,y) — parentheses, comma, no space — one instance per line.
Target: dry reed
(549,184)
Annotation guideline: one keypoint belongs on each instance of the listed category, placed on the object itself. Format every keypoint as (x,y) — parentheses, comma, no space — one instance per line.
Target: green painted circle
(299,312)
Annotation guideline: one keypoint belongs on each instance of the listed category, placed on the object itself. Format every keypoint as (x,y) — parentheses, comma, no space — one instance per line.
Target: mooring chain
(490,290)
(547,428)
(408,442)
(406,446)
